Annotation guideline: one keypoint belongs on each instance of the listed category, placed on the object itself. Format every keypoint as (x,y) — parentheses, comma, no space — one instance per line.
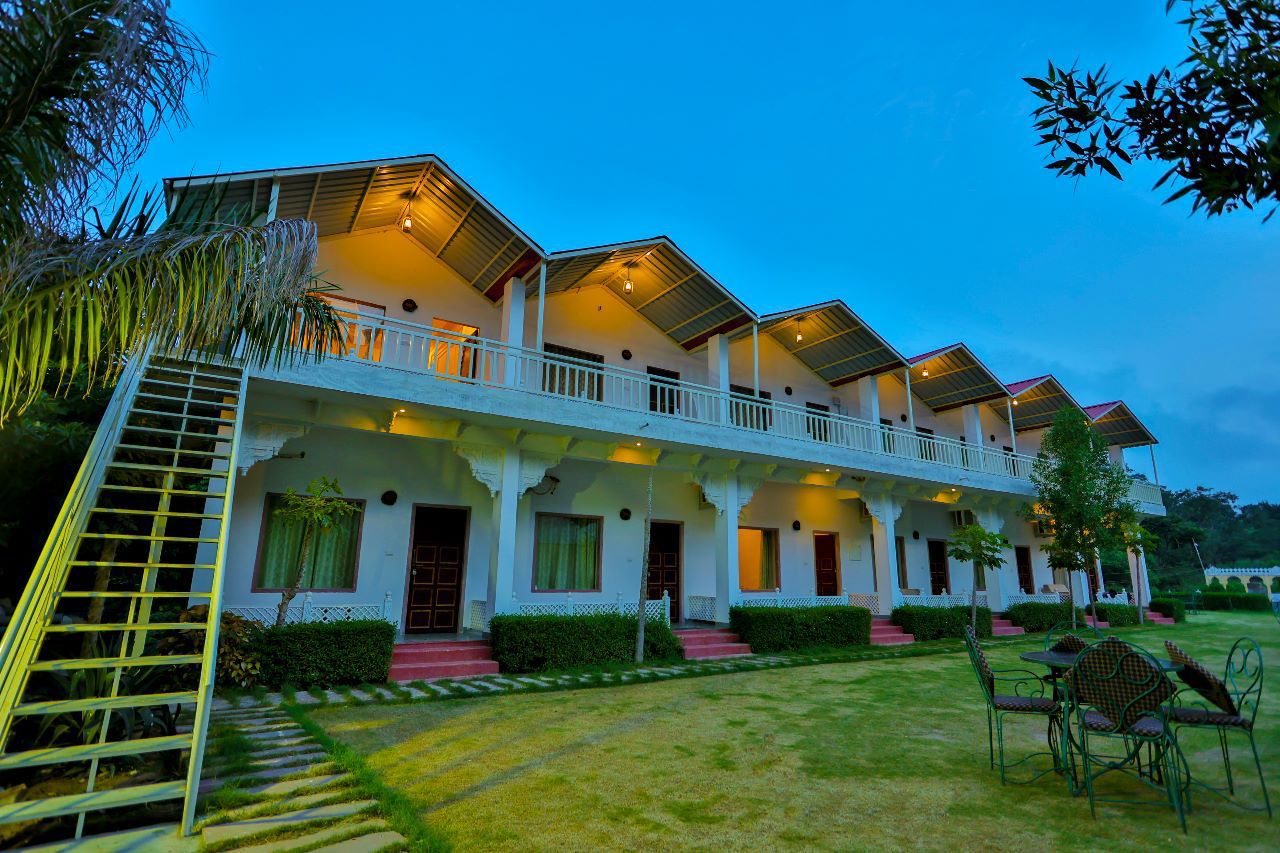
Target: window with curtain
(333,553)
(757,559)
(567,553)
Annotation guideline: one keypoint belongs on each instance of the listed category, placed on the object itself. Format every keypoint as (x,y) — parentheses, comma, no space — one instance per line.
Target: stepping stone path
(291,797)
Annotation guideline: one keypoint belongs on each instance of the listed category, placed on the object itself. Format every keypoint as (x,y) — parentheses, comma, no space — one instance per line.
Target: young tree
(981,547)
(1139,540)
(1213,120)
(1085,496)
(316,510)
(1215,585)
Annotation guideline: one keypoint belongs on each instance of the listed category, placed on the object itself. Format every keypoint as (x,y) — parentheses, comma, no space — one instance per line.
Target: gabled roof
(953,376)
(450,219)
(834,342)
(1035,402)
(668,288)
(1118,425)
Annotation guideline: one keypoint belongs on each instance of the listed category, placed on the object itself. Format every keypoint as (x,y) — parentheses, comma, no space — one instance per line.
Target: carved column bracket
(486,464)
(533,467)
(262,440)
(716,491)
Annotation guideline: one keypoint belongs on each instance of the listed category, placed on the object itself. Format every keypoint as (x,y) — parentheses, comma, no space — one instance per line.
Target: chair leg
(1173,781)
(1266,798)
(1087,772)
(1000,743)
(991,749)
(1226,759)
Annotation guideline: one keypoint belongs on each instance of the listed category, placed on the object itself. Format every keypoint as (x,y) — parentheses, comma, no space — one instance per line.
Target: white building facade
(505,416)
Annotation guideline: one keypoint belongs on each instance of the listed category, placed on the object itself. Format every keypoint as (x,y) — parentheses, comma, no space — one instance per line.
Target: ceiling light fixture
(628,285)
(925,373)
(1015,402)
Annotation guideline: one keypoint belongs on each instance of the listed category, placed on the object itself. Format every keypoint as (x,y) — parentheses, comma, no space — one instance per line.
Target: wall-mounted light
(795,525)
(628,285)
(637,444)
(406,224)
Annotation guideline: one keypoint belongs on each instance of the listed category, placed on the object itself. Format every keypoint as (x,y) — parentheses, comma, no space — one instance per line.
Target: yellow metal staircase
(109,655)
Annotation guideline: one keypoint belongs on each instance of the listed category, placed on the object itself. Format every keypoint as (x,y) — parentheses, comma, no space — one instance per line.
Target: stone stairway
(427,661)
(710,643)
(281,791)
(1099,624)
(885,633)
(1004,628)
(1157,618)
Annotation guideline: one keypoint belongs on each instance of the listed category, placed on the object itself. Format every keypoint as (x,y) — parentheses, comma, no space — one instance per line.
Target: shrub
(324,654)
(1215,585)
(777,629)
(1118,615)
(1275,584)
(932,623)
(540,643)
(238,664)
(1235,585)
(1236,601)
(1171,607)
(1033,616)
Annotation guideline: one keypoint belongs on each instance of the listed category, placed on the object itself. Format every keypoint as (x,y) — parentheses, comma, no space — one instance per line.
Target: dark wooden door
(826,564)
(664,396)
(939,575)
(437,557)
(1026,580)
(664,564)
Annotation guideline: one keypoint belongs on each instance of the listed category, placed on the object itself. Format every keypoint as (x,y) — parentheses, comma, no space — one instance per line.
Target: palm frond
(75,307)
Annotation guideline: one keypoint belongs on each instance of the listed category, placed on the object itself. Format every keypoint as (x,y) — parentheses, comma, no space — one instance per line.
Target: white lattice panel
(871,601)
(1026,597)
(948,600)
(653,608)
(701,608)
(478,615)
(1122,598)
(295,615)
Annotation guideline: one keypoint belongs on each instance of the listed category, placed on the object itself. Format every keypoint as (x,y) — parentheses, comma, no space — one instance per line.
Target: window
(757,559)
(818,421)
(566,373)
(359,328)
(900,546)
(663,394)
(887,438)
(566,553)
(333,553)
(928,450)
(1026,579)
(452,350)
(748,412)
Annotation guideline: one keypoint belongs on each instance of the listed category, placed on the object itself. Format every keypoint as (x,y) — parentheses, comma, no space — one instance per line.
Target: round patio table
(1065,660)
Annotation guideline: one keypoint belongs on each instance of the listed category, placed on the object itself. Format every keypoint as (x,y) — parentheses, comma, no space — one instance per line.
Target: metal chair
(1116,698)
(1193,603)
(1063,637)
(1232,704)
(1027,698)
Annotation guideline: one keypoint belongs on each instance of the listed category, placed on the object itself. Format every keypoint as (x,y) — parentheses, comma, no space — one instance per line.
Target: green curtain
(333,552)
(769,560)
(568,555)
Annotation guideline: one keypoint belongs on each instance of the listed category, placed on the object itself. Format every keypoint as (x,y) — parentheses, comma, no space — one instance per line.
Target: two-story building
(507,416)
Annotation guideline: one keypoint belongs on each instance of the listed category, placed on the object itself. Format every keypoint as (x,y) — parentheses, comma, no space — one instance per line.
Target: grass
(877,753)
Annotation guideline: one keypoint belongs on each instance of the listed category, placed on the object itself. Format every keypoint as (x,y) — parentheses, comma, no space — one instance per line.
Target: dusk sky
(801,152)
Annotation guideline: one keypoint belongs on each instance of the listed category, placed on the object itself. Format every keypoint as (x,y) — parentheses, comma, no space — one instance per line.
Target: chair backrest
(981,668)
(1119,681)
(1244,676)
(1201,680)
(1064,638)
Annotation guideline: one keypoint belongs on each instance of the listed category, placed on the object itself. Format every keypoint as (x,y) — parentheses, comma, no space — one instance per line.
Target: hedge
(325,654)
(1118,615)
(541,643)
(1171,607)
(932,623)
(1033,616)
(1236,601)
(778,629)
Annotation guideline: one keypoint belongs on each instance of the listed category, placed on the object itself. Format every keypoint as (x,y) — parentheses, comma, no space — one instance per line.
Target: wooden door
(1026,579)
(826,564)
(664,564)
(437,557)
(939,575)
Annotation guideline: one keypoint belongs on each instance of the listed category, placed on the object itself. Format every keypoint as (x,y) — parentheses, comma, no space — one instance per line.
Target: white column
(1097,567)
(755,357)
(1116,454)
(869,399)
(502,546)
(1013,432)
(993,521)
(728,589)
(885,512)
(911,409)
(973,424)
(1138,577)
(718,370)
(542,304)
(513,326)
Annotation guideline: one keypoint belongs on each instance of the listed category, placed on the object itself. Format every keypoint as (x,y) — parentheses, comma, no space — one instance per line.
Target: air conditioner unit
(961,518)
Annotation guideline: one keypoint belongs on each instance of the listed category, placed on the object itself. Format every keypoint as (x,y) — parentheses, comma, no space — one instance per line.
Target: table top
(1064,660)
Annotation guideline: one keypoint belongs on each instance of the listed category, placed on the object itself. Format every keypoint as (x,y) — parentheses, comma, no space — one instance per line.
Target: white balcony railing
(457,358)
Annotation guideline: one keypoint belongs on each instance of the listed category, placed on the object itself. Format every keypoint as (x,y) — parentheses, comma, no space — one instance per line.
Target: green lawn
(880,754)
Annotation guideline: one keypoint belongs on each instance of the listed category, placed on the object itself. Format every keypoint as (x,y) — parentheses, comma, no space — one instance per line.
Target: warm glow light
(799,337)
(1015,402)
(628,286)
(401,411)
(637,444)
(828,470)
(924,372)
(407,224)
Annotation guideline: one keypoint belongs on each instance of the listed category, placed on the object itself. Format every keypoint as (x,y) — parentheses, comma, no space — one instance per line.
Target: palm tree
(86,85)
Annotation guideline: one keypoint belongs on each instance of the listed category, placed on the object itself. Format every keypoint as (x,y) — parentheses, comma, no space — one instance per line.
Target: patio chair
(1116,697)
(1065,638)
(1232,703)
(1026,697)
(1193,603)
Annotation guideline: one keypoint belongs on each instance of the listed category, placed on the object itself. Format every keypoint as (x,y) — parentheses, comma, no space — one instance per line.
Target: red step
(1158,618)
(1005,628)
(425,661)
(707,643)
(1098,624)
(885,633)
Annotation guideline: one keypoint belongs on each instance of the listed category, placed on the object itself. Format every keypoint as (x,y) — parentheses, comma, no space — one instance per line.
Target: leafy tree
(974,544)
(1275,584)
(1236,585)
(1139,540)
(316,510)
(86,85)
(1085,495)
(1214,119)
(1215,585)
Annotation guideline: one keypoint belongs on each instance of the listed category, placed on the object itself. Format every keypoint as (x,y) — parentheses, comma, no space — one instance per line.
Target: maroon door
(826,564)
(939,575)
(1026,581)
(436,559)
(664,564)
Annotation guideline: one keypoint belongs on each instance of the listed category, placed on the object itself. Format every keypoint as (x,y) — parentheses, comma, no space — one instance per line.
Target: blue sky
(882,155)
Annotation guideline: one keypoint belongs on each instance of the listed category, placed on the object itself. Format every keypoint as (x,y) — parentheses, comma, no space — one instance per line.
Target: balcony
(489,364)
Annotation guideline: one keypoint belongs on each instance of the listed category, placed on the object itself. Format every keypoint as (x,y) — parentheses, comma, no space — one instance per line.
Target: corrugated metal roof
(952,376)
(1118,425)
(1035,402)
(667,288)
(834,342)
(450,219)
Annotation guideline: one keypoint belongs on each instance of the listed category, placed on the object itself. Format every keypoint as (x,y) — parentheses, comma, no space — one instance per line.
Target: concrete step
(1008,629)
(440,652)
(309,841)
(223,832)
(1099,624)
(443,669)
(893,640)
(709,639)
(1159,619)
(365,843)
(727,650)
